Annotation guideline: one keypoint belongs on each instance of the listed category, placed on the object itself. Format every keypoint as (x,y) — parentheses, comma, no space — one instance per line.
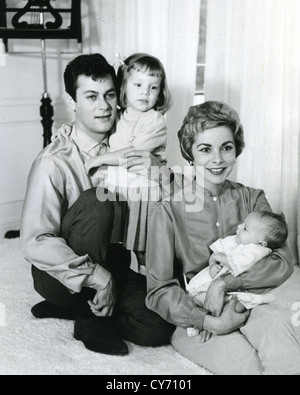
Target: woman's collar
(219,191)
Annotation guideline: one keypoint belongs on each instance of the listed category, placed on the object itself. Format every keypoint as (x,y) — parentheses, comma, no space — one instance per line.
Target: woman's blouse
(178,243)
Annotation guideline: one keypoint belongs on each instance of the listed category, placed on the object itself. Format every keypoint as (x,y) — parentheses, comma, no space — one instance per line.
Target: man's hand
(104,301)
(229,321)
(140,162)
(215,296)
(93,163)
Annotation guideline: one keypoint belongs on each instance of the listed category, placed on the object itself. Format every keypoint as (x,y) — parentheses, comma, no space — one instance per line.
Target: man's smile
(103,117)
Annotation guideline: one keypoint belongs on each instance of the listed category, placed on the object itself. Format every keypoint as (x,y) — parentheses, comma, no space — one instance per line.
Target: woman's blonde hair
(209,115)
(146,64)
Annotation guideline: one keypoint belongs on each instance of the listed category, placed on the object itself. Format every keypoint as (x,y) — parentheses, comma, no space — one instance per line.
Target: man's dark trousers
(87,228)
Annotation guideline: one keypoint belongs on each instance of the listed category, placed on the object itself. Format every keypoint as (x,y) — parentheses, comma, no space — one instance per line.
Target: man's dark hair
(92,65)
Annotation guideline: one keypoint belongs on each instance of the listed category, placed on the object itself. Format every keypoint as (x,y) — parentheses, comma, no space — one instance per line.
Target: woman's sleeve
(165,295)
(269,272)
(244,257)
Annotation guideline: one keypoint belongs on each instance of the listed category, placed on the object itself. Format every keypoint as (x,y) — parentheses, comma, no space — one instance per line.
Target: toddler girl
(255,238)
(144,99)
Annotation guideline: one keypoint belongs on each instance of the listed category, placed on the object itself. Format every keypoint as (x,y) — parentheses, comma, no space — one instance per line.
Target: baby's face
(253,230)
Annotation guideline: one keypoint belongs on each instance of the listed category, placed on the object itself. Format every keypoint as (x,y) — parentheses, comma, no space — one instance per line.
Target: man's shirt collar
(84,142)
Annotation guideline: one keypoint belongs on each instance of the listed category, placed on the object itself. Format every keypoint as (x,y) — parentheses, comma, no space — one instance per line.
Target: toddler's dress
(144,131)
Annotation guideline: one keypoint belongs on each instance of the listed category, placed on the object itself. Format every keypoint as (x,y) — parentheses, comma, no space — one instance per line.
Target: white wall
(21,88)
(21,131)
(253,64)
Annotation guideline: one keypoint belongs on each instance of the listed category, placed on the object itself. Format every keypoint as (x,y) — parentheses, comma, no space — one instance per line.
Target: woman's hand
(63,133)
(215,297)
(204,336)
(104,301)
(229,321)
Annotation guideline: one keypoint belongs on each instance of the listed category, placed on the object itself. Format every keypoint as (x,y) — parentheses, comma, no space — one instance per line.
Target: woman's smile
(217,171)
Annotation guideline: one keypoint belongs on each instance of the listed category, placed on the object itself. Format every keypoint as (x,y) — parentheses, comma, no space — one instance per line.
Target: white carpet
(46,347)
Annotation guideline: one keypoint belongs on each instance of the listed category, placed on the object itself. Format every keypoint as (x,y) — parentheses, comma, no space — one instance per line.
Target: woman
(211,139)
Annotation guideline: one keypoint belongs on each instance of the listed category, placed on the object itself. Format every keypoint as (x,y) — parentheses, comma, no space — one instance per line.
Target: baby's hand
(212,259)
(218,257)
(63,133)
(239,307)
(214,270)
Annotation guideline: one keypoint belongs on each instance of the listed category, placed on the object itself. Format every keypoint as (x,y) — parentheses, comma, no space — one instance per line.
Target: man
(66,231)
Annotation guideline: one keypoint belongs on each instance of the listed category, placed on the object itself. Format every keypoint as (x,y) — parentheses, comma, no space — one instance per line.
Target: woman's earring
(191,163)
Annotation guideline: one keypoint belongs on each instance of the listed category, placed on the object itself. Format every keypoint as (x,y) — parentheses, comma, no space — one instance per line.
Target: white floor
(46,347)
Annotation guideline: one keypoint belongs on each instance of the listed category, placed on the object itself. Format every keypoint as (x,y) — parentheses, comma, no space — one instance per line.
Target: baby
(256,237)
